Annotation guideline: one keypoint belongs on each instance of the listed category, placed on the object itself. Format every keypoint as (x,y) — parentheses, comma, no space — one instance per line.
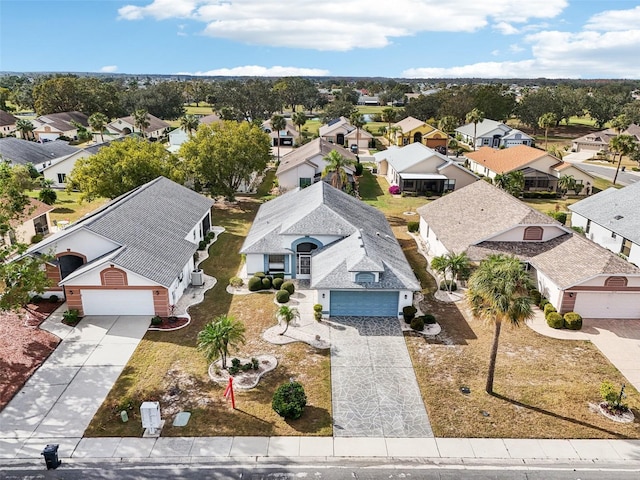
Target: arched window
(533,233)
(615,282)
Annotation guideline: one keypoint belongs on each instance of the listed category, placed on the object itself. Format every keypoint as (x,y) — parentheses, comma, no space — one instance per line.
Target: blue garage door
(364,304)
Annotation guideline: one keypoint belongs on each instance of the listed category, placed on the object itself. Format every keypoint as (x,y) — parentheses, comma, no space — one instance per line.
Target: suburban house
(34,221)
(597,141)
(133,256)
(22,152)
(304,165)
(342,246)
(7,123)
(611,218)
(571,271)
(288,136)
(489,133)
(127,125)
(341,132)
(178,136)
(541,169)
(419,169)
(411,130)
(55,125)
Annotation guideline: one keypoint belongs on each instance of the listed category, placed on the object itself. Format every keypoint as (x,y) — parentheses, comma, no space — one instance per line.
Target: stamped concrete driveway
(375,391)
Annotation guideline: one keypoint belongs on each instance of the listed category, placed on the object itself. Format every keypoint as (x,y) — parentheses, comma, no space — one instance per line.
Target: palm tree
(547,121)
(620,123)
(287,315)
(299,119)
(453,263)
(97,122)
(278,123)
(336,164)
(622,145)
(393,131)
(475,116)
(357,120)
(219,336)
(499,291)
(26,128)
(189,123)
(566,183)
(448,123)
(390,116)
(141,120)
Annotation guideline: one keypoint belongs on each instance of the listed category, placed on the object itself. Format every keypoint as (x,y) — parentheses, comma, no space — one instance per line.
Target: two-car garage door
(117,302)
(363,304)
(608,305)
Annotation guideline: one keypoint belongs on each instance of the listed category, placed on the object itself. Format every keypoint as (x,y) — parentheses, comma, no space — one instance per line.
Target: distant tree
(448,124)
(534,104)
(623,145)
(163,100)
(423,108)
(337,109)
(219,336)
(278,123)
(299,119)
(336,165)
(389,115)
(495,100)
(141,121)
(26,128)
(620,123)
(604,104)
(547,121)
(475,116)
(632,111)
(98,121)
(189,123)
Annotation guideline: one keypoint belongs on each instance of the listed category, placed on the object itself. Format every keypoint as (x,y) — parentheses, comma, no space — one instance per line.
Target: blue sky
(399,38)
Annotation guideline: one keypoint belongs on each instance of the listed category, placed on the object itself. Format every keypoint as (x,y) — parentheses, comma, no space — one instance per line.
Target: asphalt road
(624,178)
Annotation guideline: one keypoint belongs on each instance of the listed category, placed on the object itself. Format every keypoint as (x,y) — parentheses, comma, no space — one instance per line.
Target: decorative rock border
(267,364)
(625,417)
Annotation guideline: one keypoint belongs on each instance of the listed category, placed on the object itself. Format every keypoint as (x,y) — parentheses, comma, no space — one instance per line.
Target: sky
(354,38)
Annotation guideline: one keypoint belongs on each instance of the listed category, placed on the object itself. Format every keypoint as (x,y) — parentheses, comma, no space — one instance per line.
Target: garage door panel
(117,302)
(608,305)
(363,303)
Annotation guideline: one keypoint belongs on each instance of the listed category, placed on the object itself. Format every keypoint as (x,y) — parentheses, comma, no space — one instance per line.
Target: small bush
(202,245)
(37,238)
(289,287)
(277,283)
(210,236)
(254,284)
(409,313)
(282,296)
(278,275)
(48,196)
(611,396)
(555,320)
(71,316)
(359,169)
(536,296)
(417,324)
(266,283)
(156,320)
(413,226)
(429,319)
(445,285)
(543,302)
(394,190)
(54,298)
(289,400)
(259,274)
(36,299)
(255,364)
(561,217)
(572,321)
(317,307)
(548,308)
(236,282)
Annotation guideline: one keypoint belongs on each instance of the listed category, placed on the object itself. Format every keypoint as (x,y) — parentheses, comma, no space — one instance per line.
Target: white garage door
(608,305)
(117,302)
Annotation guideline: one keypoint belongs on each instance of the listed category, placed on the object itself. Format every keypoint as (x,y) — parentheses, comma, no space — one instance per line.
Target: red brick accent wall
(74,298)
(53,274)
(161,301)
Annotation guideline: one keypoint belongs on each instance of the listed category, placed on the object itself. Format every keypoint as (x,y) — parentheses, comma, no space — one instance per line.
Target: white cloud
(337,25)
(258,71)
(515,48)
(109,68)
(506,28)
(495,53)
(612,20)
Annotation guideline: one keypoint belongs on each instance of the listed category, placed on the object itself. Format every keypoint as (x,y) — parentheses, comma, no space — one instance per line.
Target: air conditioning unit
(197,279)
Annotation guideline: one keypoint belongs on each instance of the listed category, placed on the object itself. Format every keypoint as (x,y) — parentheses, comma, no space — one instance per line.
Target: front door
(304,266)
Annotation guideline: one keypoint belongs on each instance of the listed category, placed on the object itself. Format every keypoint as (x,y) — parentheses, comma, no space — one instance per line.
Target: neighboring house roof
(303,154)
(404,158)
(514,133)
(154,123)
(209,119)
(615,209)
(7,119)
(21,151)
(506,159)
(90,150)
(150,224)
(604,136)
(368,243)
(482,128)
(35,209)
(289,129)
(62,121)
(335,124)
(410,123)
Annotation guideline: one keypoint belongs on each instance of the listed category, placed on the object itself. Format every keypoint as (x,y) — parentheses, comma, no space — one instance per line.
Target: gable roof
(35,209)
(615,209)
(482,128)
(316,147)
(154,123)
(408,156)
(289,129)
(410,123)
(22,151)
(150,224)
(367,242)
(211,118)
(62,121)
(506,159)
(335,124)
(7,119)
(604,136)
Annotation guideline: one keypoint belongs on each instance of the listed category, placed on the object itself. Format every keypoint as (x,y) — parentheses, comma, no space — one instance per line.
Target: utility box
(50,454)
(196,278)
(150,414)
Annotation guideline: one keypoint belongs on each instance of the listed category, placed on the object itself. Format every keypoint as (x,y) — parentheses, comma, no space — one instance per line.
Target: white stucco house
(54,125)
(342,246)
(571,271)
(341,132)
(7,123)
(34,221)
(489,133)
(288,135)
(611,218)
(124,126)
(134,256)
(304,165)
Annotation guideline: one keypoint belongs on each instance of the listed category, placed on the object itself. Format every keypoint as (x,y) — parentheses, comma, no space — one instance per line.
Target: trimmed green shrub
(156,320)
(37,238)
(54,298)
(417,324)
(278,275)
(409,313)
(210,236)
(543,302)
(572,321)
(555,320)
(236,282)
(36,299)
(289,287)
(561,217)
(536,296)
(289,400)
(413,226)
(445,285)
(548,308)
(277,283)
(359,169)
(429,319)
(254,284)
(282,296)
(71,317)
(317,311)
(259,274)
(202,244)
(266,283)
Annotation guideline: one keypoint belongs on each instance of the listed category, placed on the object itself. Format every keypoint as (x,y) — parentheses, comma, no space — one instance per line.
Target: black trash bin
(50,454)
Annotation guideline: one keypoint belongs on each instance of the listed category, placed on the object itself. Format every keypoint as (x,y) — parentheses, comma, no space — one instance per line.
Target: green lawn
(68,206)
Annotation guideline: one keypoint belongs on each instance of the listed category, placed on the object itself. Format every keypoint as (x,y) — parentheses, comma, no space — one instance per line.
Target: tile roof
(21,151)
(615,209)
(506,159)
(7,119)
(410,123)
(316,147)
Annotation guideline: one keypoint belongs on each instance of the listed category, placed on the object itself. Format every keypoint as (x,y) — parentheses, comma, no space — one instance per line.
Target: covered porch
(535,180)
(422,183)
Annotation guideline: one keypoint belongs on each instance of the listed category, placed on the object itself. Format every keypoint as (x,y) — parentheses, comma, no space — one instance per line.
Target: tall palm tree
(475,116)
(189,123)
(547,121)
(390,116)
(336,164)
(26,128)
(454,264)
(97,122)
(357,120)
(567,182)
(141,120)
(287,315)
(448,123)
(622,145)
(219,336)
(393,131)
(299,119)
(499,291)
(278,123)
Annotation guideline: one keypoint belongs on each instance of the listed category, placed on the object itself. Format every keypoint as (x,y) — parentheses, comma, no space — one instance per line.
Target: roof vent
(618,217)
(378,233)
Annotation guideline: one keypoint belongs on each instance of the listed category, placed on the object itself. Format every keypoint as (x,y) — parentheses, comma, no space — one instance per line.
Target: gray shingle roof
(368,243)
(300,155)
(7,119)
(21,151)
(62,121)
(616,210)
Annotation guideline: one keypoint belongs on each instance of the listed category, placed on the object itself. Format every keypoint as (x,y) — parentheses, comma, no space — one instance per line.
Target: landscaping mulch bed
(23,346)
(170,323)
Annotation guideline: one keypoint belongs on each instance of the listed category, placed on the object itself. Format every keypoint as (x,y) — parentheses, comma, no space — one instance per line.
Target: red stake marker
(229,393)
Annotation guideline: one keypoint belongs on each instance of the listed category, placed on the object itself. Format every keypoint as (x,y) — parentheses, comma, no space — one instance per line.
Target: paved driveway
(375,391)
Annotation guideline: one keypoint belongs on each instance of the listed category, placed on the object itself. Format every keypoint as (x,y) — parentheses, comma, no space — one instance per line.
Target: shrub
(543,302)
(210,236)
(236,282)
(282,296)
(202,245)
(71,316)
(572,321)
(394,190)
(409,312)
(278,275)
(289,400)
(266,283)
(289,287)
(317,307)
(36,299)
(413,226)
(37,238)
(254,284)
(417,324)
(255,364)
(536,296)
(429,319)
(445,285)
(156,320)
(48,196)
(611,395)
(259,274)
(359,169)
(561,217)
(277,283)
(555,320)
(548,308)
(54,298)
